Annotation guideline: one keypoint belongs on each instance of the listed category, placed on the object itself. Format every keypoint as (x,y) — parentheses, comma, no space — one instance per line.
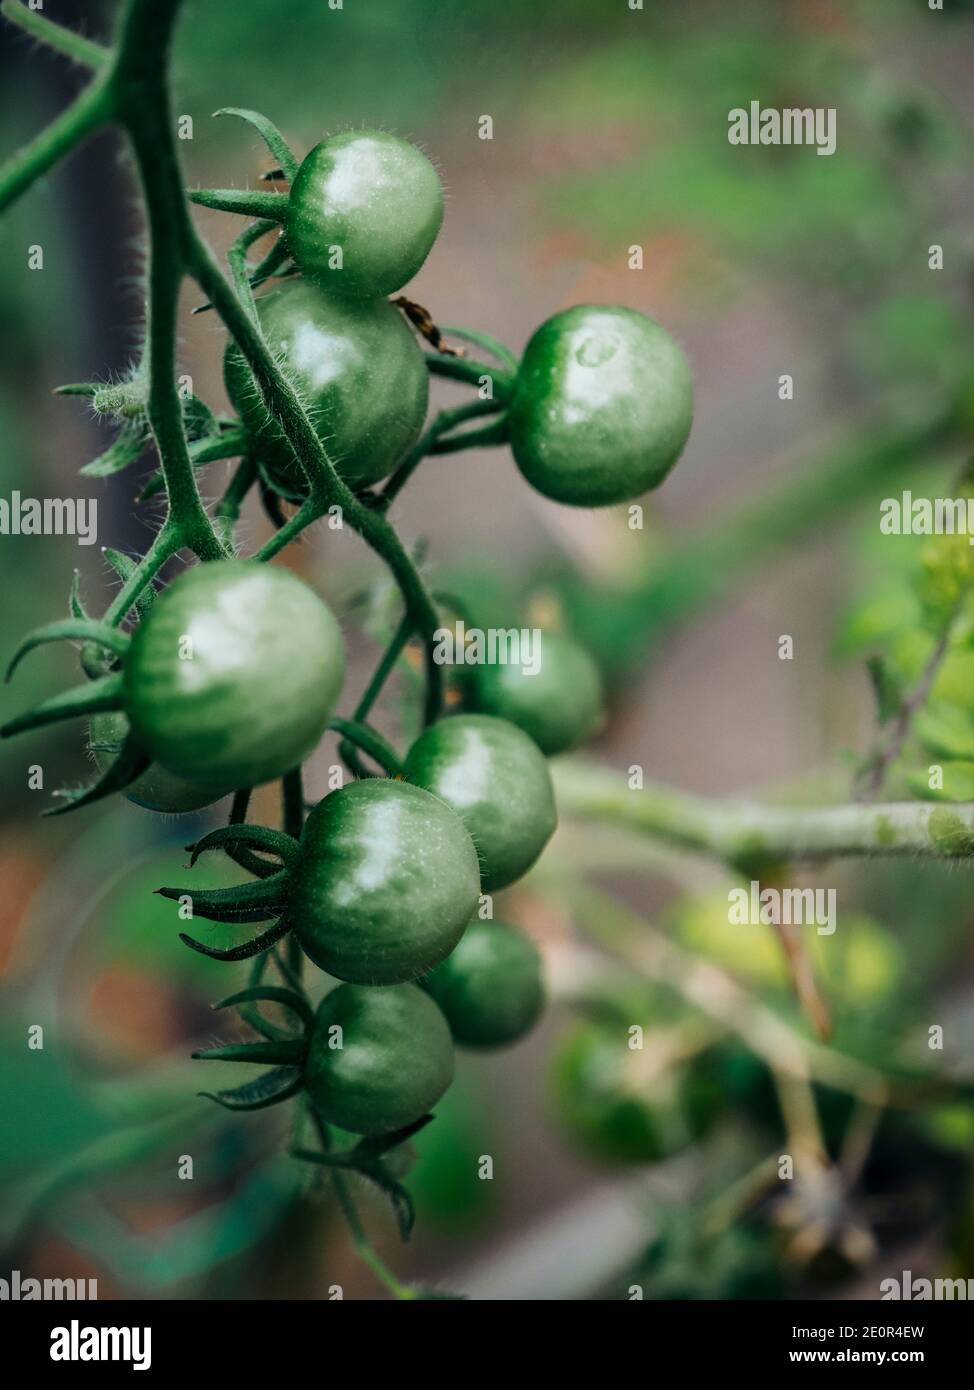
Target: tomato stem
(371,742)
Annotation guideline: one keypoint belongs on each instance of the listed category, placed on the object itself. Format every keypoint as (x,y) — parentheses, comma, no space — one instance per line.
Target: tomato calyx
(368,1159)
(286,1056)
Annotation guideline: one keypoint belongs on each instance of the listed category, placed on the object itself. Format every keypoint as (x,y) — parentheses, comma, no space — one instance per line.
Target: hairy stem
(92,109)
(742,833)
(63,41)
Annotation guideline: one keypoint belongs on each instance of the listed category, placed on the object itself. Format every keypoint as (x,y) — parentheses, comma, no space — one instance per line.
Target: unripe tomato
(602,407)
(364,211)
(489,987)
(379,1058)
(359,372)
(156,789)
(559,706)
(617,1104)
(497,781)
(385,882)
(233,675)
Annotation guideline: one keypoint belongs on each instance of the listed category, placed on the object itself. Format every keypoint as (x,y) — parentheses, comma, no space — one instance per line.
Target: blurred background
(609,132)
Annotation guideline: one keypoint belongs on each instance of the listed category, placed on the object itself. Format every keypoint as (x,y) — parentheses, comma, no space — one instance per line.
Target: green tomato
(233,675)
(497,781)
(617,1107)
(156,789)
(364,211)
(489,987)
(359,372)
(379,1058)
(559,706)
(602,407)
(385,882)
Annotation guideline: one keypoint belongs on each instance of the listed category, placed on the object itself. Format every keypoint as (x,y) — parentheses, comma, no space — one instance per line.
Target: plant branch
(878,763)
(739,833)
(63,41)
(91,109)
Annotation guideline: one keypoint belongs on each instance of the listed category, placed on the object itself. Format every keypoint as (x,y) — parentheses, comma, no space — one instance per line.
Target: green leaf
(127,449)
(958,779)
(945,730)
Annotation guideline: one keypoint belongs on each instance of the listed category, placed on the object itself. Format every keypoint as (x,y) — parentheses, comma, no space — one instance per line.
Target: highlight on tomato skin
(603,406)
(358,371)
(363,213)
(496,780)
(384,884)
(203,686)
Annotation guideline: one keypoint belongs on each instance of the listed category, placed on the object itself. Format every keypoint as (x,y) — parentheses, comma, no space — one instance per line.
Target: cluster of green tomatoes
(232,674)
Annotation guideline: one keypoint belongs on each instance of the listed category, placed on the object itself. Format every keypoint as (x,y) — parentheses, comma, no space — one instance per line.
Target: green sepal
(266,270)
(271,136)
(198,419)
(365,1159)
(270,1089)
(399,1196)
(246,949)
(131,762)
(125,451)
(243,902)
(207,449)
(71,629)
(125,567)
(76,607)
(77,388)
(271,994)
(243,202)
(260,836)
(282,1052)
(94,697)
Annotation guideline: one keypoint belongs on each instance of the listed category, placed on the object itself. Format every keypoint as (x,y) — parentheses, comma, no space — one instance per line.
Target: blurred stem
(628,937)
(370,741)
(360,1240)
(890,743)
(347,751)
(431,441)
(63,41)
(93,108)
(326,489)
(708,563)
(746,834)
(363,1246)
